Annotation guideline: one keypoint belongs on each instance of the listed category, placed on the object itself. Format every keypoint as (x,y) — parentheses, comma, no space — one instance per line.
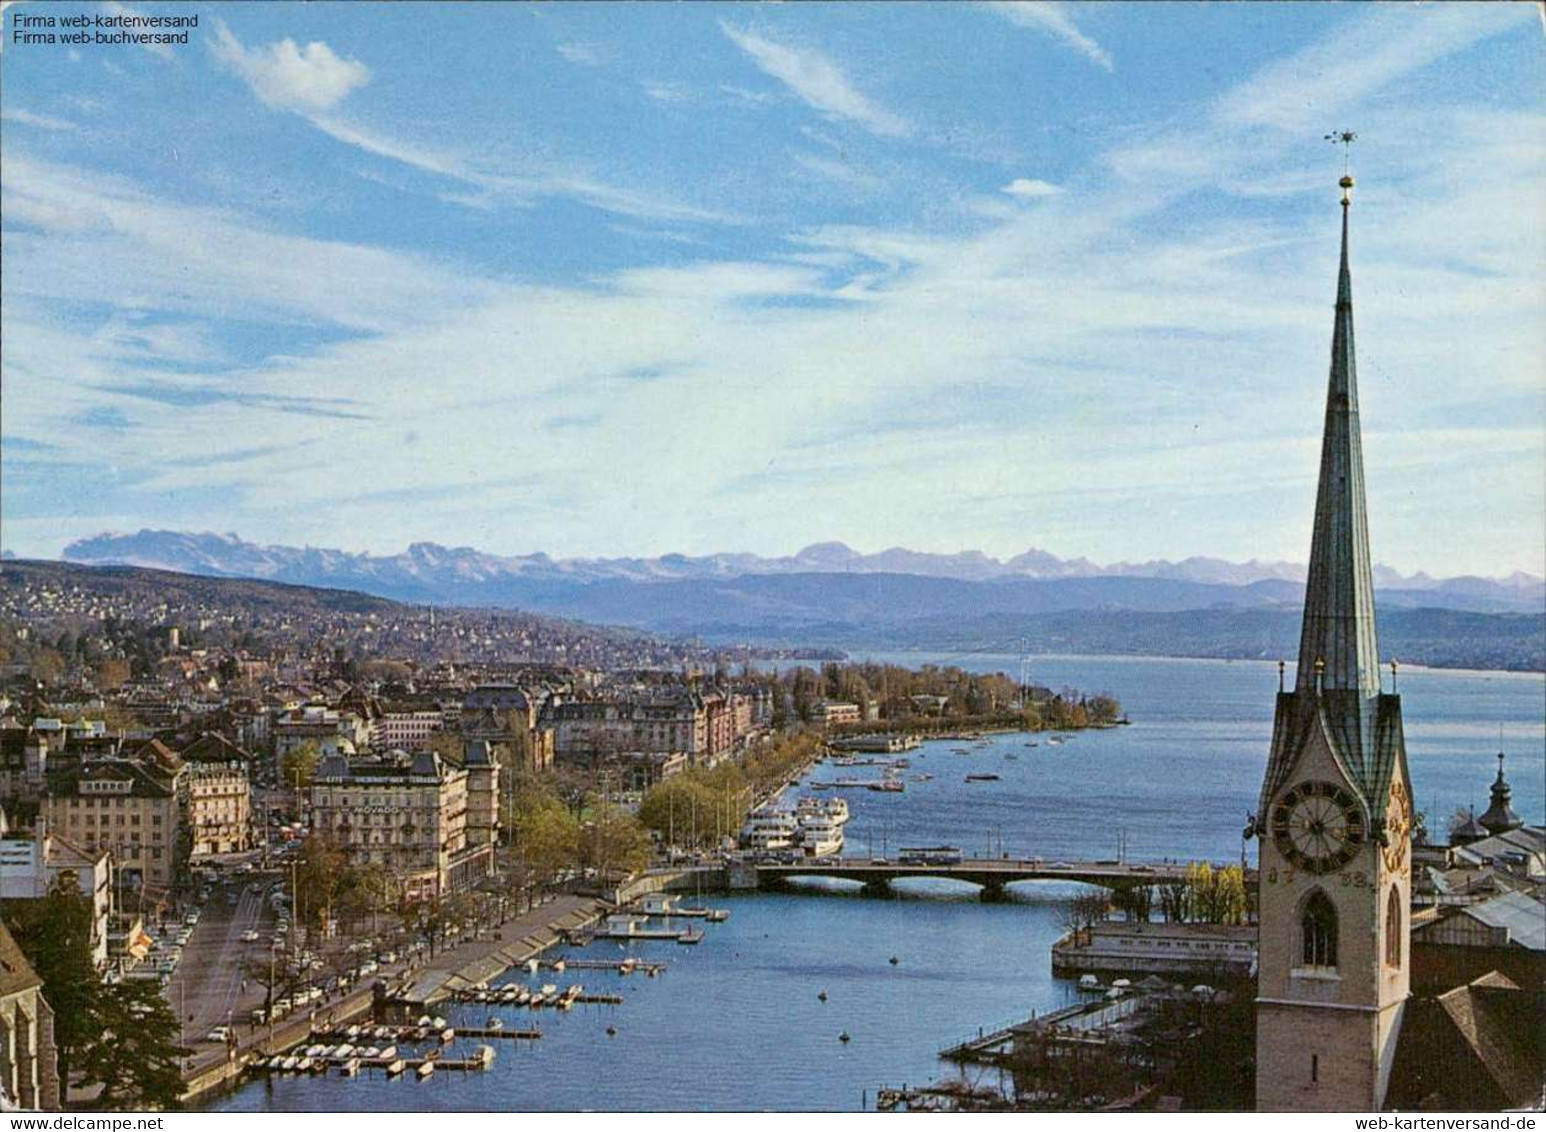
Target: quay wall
(1156,949)
(705,878)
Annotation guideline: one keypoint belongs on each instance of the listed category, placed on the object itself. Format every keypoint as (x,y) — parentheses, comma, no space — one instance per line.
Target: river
(735,1023)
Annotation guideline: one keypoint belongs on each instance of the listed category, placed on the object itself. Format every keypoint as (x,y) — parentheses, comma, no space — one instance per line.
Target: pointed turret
(1337,648)
(1500,816)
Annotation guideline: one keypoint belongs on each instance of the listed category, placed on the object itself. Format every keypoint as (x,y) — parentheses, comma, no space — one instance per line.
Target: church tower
(1335,813)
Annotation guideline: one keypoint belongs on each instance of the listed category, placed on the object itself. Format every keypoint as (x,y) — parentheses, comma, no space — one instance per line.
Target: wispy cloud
(818,81)
(582,53)
(310,82)
(842,172)
(1029,187)
(1372,49)
(666,92)
(41,121)
(1048,16)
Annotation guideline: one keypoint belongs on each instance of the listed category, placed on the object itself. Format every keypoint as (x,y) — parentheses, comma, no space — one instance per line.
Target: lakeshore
(964,965)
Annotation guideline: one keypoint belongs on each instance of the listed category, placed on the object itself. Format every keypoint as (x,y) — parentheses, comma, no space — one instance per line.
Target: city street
(205,990)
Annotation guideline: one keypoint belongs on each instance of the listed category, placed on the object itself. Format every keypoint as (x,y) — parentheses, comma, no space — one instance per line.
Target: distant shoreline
(896,655)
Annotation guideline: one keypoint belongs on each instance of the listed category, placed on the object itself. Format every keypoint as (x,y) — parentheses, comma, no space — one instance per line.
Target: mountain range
(831,595)
(428,571)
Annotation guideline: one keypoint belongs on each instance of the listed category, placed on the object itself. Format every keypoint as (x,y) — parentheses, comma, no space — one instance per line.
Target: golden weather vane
(1344,138)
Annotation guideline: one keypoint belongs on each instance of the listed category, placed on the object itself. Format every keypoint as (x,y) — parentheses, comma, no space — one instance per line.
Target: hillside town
(337,792)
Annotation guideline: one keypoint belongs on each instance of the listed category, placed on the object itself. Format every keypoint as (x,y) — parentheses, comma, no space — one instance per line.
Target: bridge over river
(991,874)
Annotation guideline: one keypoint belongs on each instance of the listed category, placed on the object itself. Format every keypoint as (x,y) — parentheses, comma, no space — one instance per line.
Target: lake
(735,1023)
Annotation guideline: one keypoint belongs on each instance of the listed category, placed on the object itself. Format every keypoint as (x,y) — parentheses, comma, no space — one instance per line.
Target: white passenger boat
(770,830)
(820,836)
(834,808)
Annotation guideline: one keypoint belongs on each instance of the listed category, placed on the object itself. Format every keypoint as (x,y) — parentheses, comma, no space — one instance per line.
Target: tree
(366,890)
(548,841)
(54,933)
(299,766)
(1234,901)
(47,666)
(1173,901)
(1136,904)
(614,842)
(111,673)
(134,1052)
(1085,911)
(275,974)
(321,875)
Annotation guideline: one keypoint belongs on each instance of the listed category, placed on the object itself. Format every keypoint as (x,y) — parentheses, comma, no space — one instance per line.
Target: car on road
(249,936)
(218,1034)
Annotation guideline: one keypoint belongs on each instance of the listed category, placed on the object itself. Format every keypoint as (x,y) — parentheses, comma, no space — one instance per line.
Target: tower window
(1318,931)
(1393,927)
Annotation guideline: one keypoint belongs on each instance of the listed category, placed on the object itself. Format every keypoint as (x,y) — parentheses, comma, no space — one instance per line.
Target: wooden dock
(620,966)
(482,1032)
(352,1065)
(534,1000)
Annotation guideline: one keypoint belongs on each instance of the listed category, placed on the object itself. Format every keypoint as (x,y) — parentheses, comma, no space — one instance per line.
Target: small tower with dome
(1500,816)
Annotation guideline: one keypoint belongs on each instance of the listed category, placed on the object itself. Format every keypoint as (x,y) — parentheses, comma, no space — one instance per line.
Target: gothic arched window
(1318,932)
(1393,927)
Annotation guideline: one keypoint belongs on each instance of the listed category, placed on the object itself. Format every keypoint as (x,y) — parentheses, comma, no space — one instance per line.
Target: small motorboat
(495,1024)
(821,996)
(894,960)
(982,778)
(844,1038)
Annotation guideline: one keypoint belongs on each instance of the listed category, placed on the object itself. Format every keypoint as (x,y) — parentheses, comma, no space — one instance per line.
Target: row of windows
(107,819)
(90,803)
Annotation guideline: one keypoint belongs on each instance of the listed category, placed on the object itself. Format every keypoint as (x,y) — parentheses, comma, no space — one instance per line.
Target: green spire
(1339,595)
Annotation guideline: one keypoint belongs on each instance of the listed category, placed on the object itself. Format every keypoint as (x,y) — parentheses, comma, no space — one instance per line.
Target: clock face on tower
(1318,826)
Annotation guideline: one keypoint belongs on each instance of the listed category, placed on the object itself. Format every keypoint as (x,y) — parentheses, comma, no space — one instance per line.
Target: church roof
(16,974)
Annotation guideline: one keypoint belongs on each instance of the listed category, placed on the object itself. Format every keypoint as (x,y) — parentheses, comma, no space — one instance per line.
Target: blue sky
(600,280)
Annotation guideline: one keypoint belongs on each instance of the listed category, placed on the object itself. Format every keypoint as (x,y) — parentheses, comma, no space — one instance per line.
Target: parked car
(249,936)
(218,1034)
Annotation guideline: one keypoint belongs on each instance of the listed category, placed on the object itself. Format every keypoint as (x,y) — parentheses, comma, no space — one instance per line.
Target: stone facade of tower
(1335,813)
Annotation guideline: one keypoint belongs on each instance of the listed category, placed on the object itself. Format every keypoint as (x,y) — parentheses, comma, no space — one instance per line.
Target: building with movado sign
(1335,812)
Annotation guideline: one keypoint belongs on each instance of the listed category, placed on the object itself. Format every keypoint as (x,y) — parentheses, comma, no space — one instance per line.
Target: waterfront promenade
(455,967)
